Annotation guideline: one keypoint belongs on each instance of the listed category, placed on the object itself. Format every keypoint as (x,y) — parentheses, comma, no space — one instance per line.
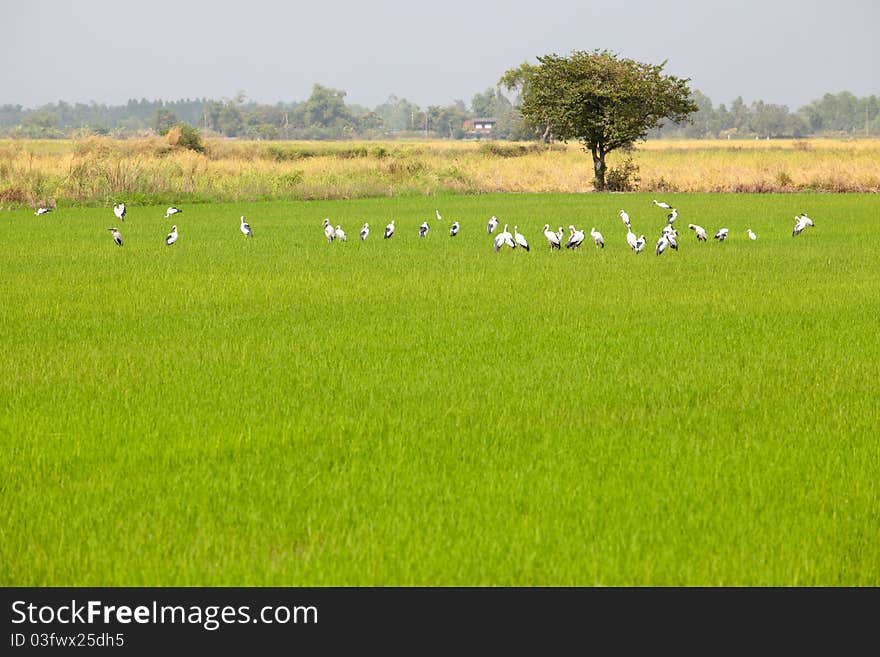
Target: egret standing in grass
(245,228)
(751,234)
(662,243)
(423,229)
(552,238)
(503,238)
(492,225)
(640,244)
(672,216)
(119,211)
(803,217)
(117,236)
(437,212)
(671,236)
(172,211)
(508,238)
(329,233)
(632,240)
(699,230)
(624,217)
(453,230)
(365,231)
(41,211)
(560,234)
(721,235)
(340,234)
(598,240)
(171,238)
(519,238)
(389,230)
(662,204)
(576,238)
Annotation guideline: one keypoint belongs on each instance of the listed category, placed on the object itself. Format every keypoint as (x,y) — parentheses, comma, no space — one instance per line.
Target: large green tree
(326,108)
(598,98)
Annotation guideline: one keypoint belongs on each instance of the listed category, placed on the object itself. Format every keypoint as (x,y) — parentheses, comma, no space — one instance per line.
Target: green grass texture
(286,411)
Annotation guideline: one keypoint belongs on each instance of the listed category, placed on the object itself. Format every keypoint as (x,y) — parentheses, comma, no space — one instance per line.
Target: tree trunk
(598,168)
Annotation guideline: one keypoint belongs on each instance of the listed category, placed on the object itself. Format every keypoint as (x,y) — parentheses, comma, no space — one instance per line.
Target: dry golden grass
(99,170)
(829,165)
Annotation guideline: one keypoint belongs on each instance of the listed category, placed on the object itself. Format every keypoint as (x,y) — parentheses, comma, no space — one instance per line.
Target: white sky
(780,51)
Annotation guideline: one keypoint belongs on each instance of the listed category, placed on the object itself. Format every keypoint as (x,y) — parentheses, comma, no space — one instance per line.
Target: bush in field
(624,178)
(186,136)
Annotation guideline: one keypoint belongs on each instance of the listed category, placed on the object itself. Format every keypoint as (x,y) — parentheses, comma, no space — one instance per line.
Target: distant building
(479,127)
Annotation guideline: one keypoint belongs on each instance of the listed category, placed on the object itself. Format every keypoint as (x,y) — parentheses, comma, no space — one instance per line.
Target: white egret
(576,238)
(552,238)
(699,230)
(520,239)
(662,243)
(508,238)
(632,240)
(671,236)
(503,238)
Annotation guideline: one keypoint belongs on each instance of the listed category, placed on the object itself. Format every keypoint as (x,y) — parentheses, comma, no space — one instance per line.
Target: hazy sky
(431,53)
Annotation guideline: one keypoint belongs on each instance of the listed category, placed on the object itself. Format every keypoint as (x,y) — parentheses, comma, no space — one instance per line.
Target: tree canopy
(603,101)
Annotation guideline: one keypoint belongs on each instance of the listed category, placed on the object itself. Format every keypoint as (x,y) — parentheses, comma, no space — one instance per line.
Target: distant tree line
(841,114)
(326,115)
(61,119)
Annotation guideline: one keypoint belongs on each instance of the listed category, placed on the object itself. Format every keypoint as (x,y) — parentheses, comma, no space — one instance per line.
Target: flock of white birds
(668,235)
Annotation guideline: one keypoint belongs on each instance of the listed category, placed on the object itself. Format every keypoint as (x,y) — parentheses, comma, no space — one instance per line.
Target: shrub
(783,179)
(186,136)
(624,178)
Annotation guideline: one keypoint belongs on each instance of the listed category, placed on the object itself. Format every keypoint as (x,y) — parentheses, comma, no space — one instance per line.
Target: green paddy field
(284,411)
